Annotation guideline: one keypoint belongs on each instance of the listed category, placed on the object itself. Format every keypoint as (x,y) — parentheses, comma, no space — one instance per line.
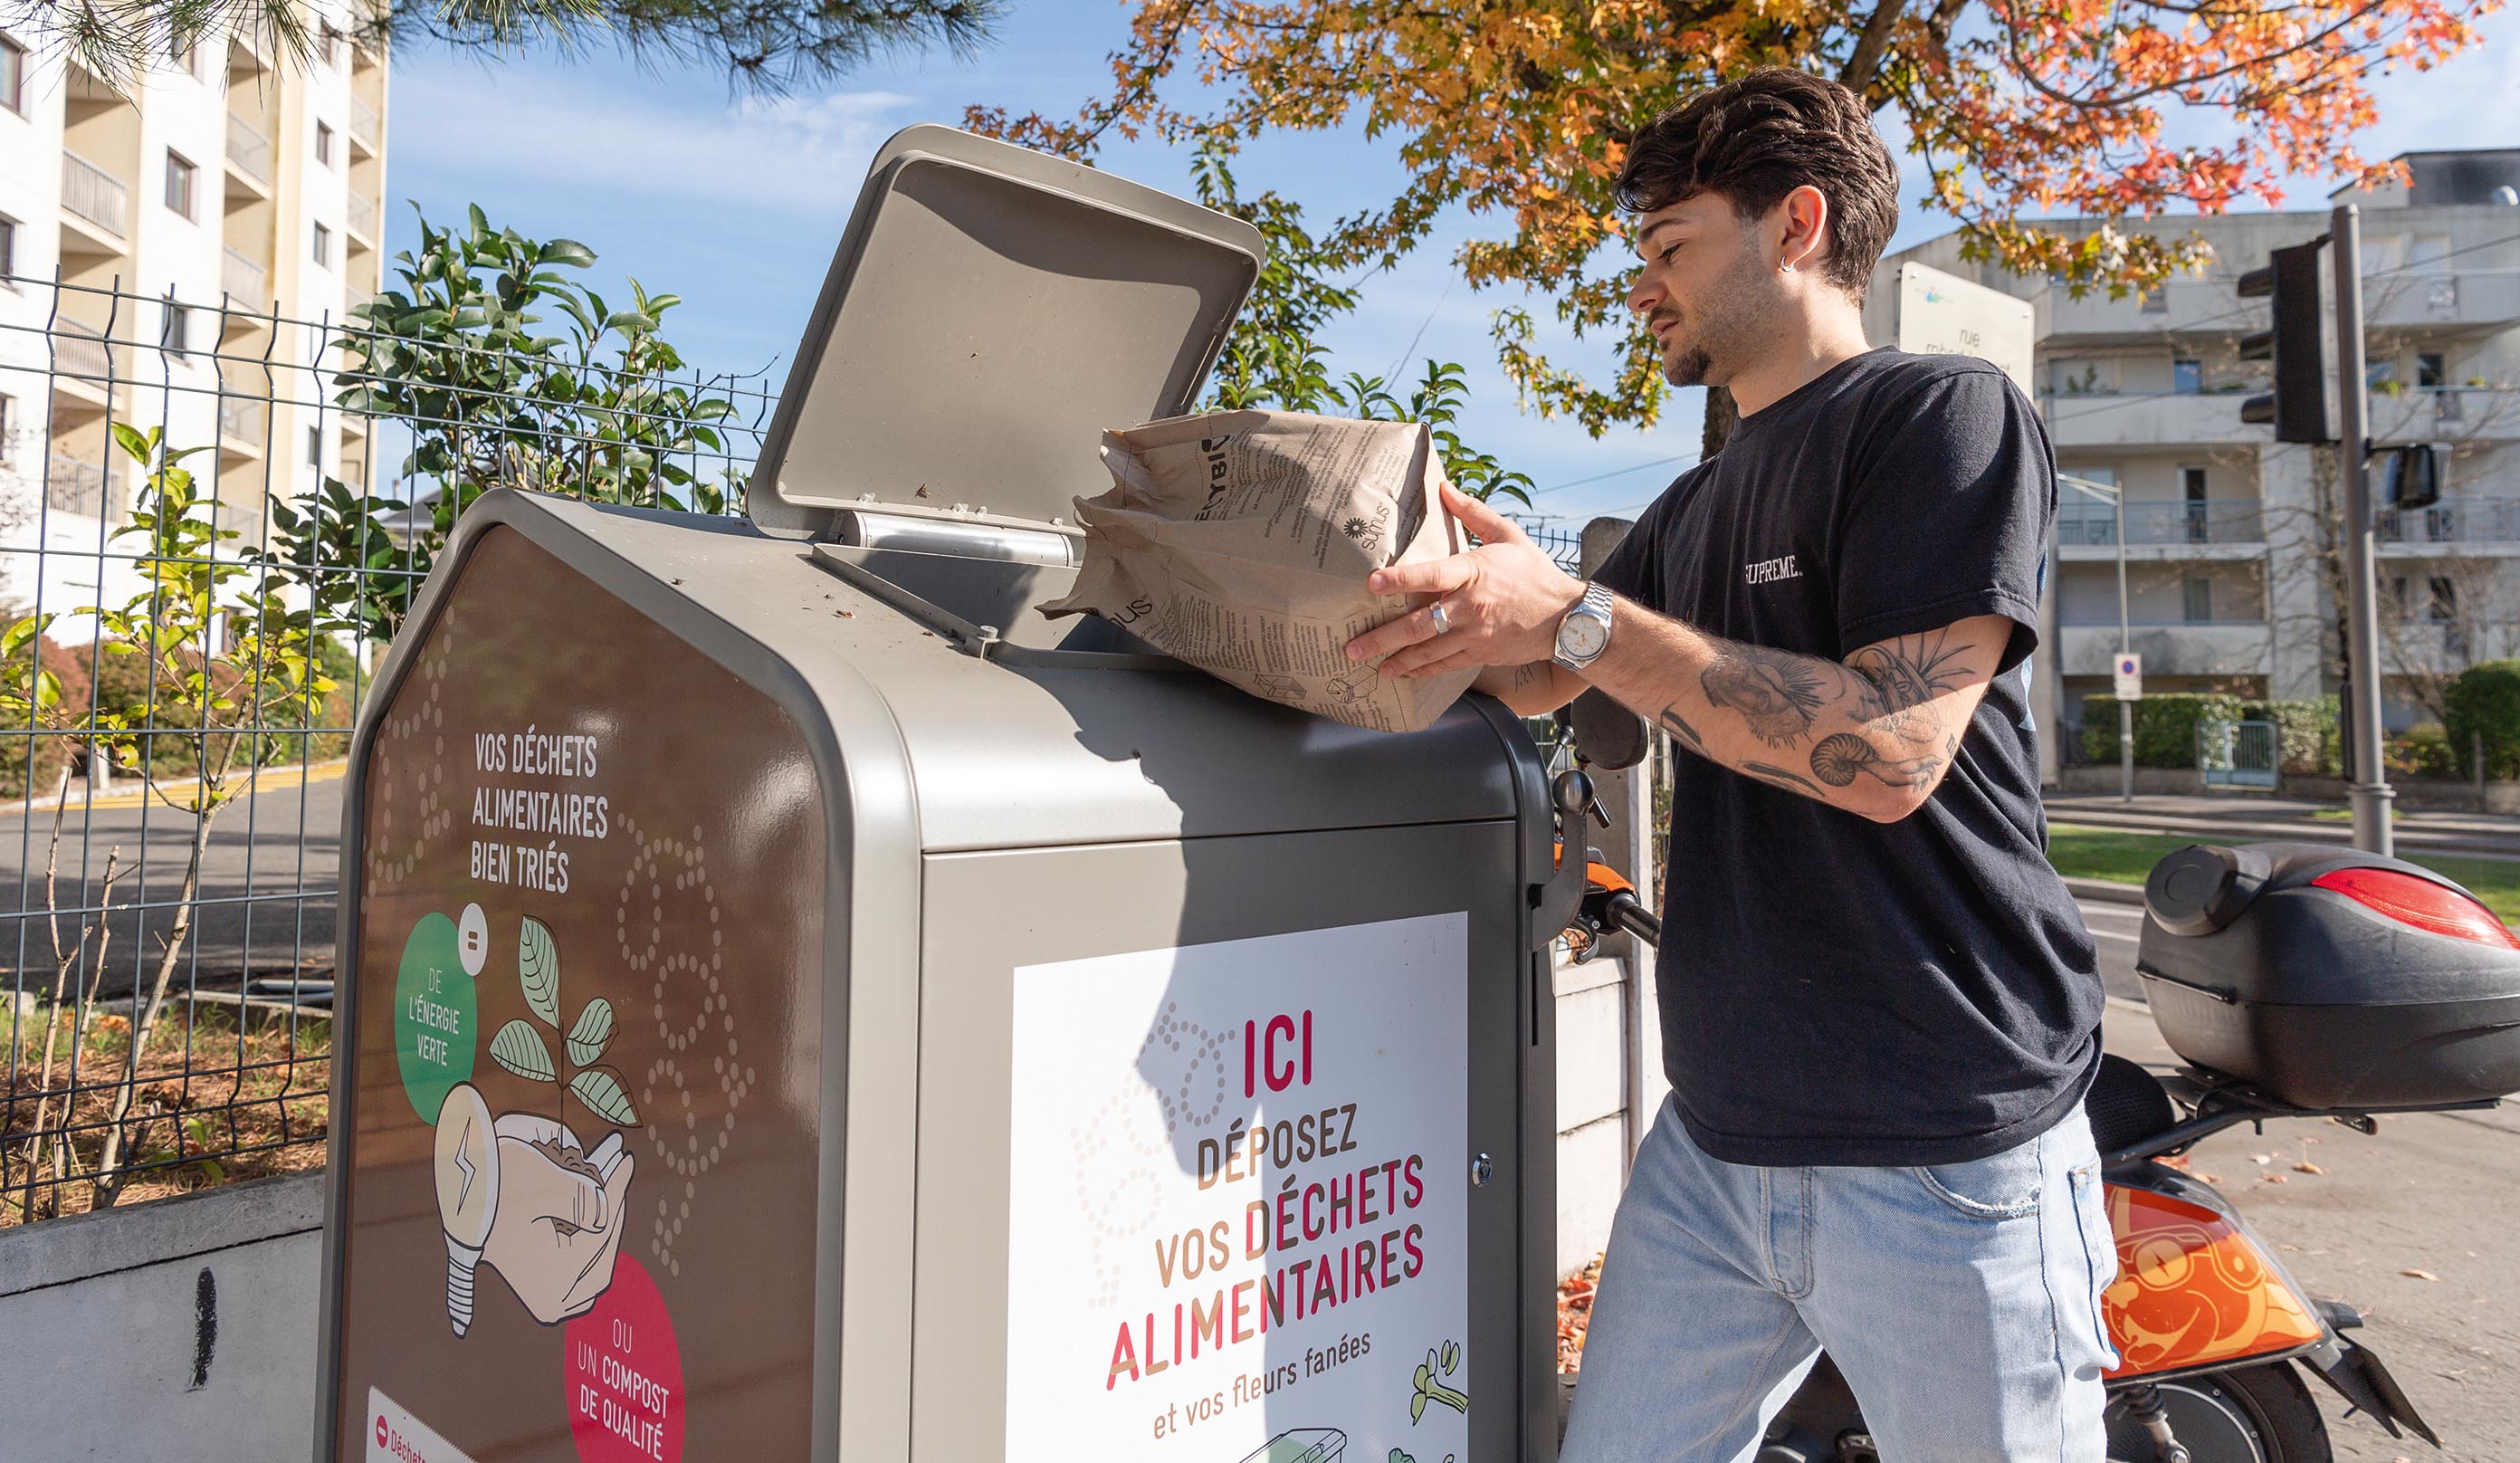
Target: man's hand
(1502,599)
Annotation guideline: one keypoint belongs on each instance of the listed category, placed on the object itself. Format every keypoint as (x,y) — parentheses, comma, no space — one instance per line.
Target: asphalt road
(2113,930)
(2413,1227)
(267,887)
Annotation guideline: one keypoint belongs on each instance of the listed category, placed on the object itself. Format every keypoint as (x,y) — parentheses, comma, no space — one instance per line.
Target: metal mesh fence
(212,519)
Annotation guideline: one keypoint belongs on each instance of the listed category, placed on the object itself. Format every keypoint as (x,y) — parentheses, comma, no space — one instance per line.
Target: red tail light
(2420,902)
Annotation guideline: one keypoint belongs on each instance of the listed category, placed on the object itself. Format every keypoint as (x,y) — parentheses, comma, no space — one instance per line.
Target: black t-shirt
(1836,991)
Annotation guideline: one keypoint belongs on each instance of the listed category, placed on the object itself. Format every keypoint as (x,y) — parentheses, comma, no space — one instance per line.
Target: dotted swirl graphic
(1118,1210)
(670,871)
(410,760)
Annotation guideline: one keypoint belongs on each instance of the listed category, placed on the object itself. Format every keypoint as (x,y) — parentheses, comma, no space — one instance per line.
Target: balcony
(74,484)
(2445,413)
(240,419)
(247,282)
(2163,418)
(2226,647)
(2473,298)
(363,125)
(2467,524)
(362,217)
(2083,522)
(249,150)
(2463,302)
(95,195)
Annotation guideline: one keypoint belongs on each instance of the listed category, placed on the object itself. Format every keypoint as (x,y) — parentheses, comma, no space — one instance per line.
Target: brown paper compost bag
(1239,541)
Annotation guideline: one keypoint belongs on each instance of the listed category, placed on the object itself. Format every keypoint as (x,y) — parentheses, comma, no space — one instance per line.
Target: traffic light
(2410,476)
(2298,406)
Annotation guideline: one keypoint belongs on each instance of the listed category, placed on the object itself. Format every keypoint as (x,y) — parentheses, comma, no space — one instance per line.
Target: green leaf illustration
(592,1034)
(538,970)
(601,1089)
(519,1048)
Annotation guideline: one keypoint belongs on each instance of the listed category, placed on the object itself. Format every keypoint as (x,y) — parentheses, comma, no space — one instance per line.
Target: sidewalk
(2475,834)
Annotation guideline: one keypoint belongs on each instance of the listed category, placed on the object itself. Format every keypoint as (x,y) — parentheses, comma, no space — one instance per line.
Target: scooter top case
(2331,979)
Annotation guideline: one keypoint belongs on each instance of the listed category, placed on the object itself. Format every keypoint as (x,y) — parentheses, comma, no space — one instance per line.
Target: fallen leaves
(2414,1274)
(1575,1313)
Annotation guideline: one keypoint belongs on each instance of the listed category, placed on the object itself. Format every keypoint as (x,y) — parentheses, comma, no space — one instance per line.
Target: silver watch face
(1580,637)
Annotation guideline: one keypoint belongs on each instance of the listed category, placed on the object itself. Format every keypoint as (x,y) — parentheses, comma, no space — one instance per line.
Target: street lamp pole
(2370,793)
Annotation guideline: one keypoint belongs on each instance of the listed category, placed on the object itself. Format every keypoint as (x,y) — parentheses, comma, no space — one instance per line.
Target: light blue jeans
(1962,1302)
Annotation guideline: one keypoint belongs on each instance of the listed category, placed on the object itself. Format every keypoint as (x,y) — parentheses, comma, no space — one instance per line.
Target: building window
(180,178)
(2197,592)
(174,333)
(324,144)
(315,446)
(2428,254)
(331,46)
(8,245)
(2186,378)
(8,419)
(2156,302)
(323,246)
(2431,371)
(12,74)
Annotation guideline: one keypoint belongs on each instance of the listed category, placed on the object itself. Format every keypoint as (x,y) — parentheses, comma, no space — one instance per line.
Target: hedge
(2165,726)
(2307,731)
(2486,699)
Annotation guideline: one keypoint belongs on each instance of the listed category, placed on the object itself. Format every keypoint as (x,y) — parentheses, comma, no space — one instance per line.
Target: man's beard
(1722,331)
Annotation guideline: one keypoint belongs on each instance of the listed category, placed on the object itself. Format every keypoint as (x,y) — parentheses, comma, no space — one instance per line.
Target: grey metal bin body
(782,1021)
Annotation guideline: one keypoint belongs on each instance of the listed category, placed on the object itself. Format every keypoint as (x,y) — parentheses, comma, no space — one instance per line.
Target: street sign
(2130,677)
(1943,314)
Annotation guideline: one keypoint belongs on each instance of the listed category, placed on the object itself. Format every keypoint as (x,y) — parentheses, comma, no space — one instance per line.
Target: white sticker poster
(1240,1177)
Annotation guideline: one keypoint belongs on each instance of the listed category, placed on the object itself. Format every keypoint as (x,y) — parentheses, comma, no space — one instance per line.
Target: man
(1880,1007)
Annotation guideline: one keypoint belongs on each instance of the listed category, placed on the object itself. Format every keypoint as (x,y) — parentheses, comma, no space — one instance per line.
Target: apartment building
(2232,584)
(188,222)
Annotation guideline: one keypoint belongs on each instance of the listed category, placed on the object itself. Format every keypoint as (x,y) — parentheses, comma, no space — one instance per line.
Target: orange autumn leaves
(1519,113)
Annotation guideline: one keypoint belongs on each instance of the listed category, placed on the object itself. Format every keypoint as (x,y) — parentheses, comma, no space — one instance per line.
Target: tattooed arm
(1873,733)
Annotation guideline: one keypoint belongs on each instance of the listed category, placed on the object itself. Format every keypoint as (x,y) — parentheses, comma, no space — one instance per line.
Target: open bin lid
(990,312)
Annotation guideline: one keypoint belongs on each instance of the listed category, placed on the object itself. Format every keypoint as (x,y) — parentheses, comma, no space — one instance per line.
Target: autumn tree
(1521,113)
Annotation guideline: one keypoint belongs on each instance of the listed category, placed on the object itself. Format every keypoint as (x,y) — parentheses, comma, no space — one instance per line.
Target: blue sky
(734,204)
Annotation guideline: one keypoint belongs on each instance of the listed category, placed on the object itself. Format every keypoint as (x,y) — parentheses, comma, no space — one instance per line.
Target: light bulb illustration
(467,1192)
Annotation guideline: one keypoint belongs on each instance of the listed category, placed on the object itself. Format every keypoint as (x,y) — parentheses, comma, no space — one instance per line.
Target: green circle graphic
(435,1018)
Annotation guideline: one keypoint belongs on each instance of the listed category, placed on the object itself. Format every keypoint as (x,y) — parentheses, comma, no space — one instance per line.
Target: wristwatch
(1585,632)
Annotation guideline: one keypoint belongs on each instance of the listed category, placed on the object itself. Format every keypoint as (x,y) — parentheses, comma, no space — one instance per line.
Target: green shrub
(2486,699)
(2165,726)
(2422,752)
(2307,732)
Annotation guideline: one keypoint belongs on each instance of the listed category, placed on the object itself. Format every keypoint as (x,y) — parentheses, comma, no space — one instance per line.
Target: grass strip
(2079,852)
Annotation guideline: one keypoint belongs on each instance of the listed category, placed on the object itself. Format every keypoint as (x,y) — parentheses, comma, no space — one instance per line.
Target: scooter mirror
(1607,734)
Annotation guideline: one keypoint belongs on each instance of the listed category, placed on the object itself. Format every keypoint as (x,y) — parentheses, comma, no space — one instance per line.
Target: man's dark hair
(1757,138)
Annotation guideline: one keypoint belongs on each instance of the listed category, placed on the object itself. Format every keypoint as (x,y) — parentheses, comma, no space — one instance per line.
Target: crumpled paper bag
(1239,541)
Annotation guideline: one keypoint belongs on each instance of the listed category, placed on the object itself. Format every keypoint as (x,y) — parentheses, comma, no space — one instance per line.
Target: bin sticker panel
(590,960)
(1240,1218)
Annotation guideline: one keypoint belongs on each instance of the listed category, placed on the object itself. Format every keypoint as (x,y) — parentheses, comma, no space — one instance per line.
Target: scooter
(2283,974)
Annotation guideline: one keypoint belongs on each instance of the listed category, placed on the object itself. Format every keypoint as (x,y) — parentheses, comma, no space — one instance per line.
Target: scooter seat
(2125,1105)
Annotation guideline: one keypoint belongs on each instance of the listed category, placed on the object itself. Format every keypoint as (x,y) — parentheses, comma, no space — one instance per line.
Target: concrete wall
(179,1329)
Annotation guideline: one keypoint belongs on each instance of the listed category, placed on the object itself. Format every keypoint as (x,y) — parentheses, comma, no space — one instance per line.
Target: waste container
(800,1003)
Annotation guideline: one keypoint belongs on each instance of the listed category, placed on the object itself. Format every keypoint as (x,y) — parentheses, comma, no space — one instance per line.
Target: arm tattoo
(1524,675)
(1904,674)
(1776,692)
(1841,756)
(1686,734)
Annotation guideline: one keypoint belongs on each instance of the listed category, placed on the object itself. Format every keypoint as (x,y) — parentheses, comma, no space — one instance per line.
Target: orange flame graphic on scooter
(2193,1290)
